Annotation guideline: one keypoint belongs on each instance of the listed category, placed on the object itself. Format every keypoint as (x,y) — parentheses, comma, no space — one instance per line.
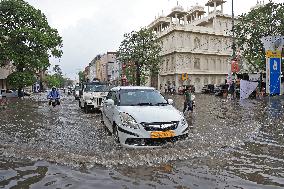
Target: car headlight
(183,122)
(128,121)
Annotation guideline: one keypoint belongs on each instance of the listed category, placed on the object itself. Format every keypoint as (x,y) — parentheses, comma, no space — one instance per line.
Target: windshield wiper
(145,104)
(162,103)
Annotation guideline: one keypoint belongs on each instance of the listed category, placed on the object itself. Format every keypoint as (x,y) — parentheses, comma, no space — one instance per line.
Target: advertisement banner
(275,75)
(246,88)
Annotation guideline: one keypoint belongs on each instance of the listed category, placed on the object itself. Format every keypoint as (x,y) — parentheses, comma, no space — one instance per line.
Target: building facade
(113,68)
(107,67)
(194,43)
(5,71)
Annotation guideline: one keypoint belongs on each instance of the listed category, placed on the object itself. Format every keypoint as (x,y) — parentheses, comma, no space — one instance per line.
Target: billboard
(275,75)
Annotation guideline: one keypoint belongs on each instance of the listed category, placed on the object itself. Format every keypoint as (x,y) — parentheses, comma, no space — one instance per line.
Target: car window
(96,88)
(136,97)
(109,95)
(114,98)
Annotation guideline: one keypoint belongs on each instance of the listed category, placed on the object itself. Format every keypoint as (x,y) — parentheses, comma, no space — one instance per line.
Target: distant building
(113,67)
(106,67)
(195,44)
(87,73)
(5,71)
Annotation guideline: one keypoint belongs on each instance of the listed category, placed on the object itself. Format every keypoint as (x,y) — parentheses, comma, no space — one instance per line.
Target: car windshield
(96,88)
(141,97)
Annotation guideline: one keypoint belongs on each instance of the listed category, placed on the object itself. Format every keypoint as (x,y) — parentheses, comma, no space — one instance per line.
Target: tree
(26,40)
(52,81)
(139,52)
(267,20)
(81,76)
(57,79)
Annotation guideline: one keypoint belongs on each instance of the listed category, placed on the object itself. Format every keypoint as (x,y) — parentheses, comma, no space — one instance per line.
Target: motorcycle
(54,102)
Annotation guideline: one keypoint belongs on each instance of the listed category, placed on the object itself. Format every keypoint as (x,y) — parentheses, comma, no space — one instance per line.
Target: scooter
(54,102)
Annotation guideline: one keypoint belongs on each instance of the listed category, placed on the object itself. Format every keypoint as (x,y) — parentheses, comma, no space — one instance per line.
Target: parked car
(221,89)
(208,89)
(142,117)
(91,96)
(9,93)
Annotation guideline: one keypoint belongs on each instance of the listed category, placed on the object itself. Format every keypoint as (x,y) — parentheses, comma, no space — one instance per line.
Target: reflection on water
(231,145)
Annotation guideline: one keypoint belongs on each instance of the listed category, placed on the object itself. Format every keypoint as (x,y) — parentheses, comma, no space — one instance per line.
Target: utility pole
(233,31)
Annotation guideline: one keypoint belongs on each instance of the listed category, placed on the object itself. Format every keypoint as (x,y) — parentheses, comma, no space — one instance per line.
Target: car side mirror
(109,102)
(170,101)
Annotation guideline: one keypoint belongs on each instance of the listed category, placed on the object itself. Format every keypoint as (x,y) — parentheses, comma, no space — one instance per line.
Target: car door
(107,108)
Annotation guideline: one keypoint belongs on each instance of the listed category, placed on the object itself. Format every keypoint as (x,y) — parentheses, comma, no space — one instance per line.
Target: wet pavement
(231,144)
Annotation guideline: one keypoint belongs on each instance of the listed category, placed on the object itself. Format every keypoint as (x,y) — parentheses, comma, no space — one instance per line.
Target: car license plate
(162,134)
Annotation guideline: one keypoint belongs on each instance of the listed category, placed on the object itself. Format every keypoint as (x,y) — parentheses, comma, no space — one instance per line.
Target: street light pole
(233,30)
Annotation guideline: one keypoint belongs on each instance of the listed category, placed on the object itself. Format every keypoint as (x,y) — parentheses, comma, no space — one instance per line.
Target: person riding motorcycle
(54,95)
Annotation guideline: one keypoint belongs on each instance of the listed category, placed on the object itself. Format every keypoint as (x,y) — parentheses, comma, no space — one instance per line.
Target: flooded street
(231,144)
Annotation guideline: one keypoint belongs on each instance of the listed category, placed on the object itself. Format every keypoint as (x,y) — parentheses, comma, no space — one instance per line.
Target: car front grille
(99,101)
(160,126)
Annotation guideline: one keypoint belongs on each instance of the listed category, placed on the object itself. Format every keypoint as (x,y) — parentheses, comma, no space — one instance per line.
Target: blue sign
(275,75)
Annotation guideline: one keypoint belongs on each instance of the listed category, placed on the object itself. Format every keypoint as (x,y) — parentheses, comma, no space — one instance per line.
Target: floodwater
(231,144)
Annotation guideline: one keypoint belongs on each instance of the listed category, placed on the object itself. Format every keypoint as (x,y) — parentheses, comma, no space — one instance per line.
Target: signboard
(184,76)
(235,66)
(273,54)
(275,75)
(273,46)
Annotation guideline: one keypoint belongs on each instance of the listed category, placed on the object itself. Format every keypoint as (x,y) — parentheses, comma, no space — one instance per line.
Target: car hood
(149,114)
(95,94)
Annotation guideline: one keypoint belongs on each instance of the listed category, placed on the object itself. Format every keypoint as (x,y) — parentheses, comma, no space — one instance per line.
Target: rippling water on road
(232,144)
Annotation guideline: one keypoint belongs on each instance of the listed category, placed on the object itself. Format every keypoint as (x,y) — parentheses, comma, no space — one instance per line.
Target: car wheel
(86,109)
(115,133)
(102,118)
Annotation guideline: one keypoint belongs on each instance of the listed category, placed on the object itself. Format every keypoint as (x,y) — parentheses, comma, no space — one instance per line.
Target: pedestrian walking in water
(231,91)
(169,89)
(187,101)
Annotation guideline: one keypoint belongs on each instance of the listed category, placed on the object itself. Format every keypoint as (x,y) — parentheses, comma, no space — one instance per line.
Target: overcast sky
(91,27)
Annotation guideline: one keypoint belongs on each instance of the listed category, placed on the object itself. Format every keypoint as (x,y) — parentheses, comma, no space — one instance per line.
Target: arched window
(196,43)
(205,81)
(197,63)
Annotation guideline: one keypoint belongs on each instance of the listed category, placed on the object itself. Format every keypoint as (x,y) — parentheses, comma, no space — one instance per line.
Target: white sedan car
(141,117)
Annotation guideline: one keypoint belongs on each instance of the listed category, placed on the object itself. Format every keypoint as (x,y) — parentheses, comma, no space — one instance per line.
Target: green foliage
(140,49)
(56,79)
(264,21)
(19,80)
(81,76)
(52,80)
(26,39)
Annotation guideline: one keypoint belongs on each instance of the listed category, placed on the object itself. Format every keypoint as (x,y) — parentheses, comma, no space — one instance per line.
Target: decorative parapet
(158,21)
(193,29)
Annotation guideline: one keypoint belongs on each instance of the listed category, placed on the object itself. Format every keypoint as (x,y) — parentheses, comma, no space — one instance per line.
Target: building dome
(178,8)
(197,8)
